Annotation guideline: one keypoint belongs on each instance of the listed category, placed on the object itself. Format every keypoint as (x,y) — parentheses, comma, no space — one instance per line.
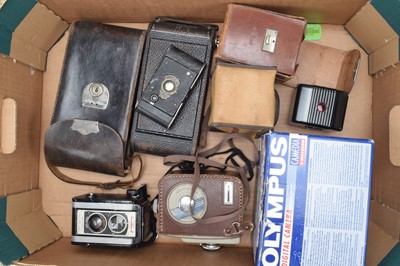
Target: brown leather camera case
(213,187)
(242,98)
(259,37)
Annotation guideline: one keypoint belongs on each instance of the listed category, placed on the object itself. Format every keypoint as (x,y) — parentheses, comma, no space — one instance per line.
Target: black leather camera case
(91,119)
(198,41)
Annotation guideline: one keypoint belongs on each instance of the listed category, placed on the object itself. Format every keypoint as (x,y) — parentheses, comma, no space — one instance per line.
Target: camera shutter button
(91,195)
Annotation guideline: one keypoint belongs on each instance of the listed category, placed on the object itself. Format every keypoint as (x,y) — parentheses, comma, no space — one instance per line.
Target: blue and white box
(312,200)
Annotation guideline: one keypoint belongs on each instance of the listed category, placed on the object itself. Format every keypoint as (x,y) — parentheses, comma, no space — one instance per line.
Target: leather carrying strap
(105,186)
(200,159)
(153,228)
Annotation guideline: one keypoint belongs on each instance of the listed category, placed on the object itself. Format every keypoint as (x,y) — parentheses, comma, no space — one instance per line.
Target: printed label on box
(313,209)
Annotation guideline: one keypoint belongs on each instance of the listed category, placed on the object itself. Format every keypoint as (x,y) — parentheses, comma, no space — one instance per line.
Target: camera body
(113,219)
(320,107)
(168,88)
(217,195)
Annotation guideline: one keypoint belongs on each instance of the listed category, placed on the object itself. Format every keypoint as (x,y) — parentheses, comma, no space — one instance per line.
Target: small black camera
(320,107)
(113,219)
(169,87)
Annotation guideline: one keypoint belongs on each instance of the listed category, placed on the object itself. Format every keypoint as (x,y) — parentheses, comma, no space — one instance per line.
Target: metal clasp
(237,228)
(85,127)
(270,40)
(95,95)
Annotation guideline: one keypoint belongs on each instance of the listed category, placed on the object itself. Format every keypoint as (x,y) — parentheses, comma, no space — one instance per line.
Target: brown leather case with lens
(242,98)
(216,195)
(259,37)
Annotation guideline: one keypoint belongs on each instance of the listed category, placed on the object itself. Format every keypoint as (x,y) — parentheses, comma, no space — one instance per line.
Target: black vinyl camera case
(172,126)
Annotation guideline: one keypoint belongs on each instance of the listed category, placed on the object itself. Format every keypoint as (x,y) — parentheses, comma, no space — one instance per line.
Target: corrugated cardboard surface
(379,244)
(27,53)
(17,173)
(8,125)
(370,29)
(11,15)
(206,10)
(29,223)
(35,35)
(41,27)
(11,247)
(58,205)
(394,135)
(386,218)
(376,37)
(385,56)
(386,182)
(63,253)
(19,170)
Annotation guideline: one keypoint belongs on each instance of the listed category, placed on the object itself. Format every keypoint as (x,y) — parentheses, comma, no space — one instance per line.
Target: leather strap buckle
(237,228)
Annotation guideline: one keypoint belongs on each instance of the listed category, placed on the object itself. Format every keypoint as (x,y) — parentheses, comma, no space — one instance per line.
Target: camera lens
(169,85)
(97,222)
(117,223)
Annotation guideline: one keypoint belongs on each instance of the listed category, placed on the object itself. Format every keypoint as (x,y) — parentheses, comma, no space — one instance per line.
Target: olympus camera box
(36,207)
(313,200)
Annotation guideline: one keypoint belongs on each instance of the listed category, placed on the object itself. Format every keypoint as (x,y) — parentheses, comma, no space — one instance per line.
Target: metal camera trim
(166,93)
(95,95)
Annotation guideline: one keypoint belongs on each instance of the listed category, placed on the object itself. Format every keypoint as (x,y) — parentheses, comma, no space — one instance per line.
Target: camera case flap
(169,87)
(216,195)
(259,37)
(320,107)
(113,219)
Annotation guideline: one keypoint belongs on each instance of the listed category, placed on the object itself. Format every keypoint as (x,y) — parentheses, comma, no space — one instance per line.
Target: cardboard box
(376,28)
(313,200)
(27,99)
(28,30)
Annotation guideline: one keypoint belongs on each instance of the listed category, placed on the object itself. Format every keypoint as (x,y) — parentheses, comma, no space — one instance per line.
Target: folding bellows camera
(113,219)
(169,87)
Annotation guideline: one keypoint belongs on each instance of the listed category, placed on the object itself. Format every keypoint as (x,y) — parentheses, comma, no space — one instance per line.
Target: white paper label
(228,193)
